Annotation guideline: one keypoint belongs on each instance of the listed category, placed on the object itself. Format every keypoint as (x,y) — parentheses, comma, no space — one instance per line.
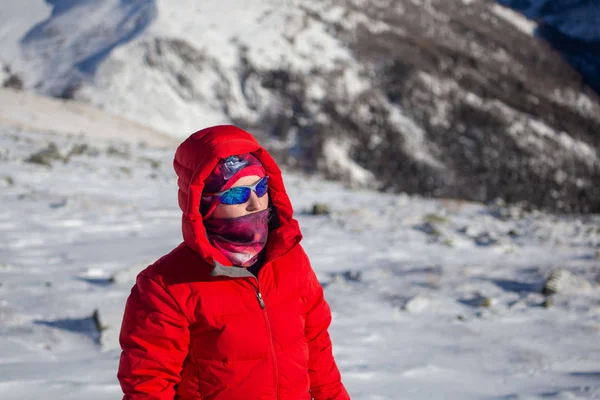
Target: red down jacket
(197,328)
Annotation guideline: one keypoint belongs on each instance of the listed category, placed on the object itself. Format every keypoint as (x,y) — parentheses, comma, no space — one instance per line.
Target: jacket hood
(196,158)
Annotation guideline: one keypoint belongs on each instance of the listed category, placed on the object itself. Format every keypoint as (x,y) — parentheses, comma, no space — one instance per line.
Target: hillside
(441,98)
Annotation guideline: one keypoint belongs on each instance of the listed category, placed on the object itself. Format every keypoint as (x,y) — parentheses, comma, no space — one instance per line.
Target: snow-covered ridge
(69,45)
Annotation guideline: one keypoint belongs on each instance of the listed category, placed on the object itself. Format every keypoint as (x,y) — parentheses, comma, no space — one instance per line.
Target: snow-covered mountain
(448,98)
(431,299)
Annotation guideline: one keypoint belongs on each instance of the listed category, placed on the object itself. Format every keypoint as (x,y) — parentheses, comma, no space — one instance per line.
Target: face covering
(240,239)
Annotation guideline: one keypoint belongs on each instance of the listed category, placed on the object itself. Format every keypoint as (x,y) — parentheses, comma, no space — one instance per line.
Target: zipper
(231,272)
(260,300)
(262,304)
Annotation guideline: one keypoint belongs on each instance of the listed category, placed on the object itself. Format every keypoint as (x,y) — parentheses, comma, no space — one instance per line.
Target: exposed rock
(486,239)
(127,276)
(346,277)
(83,149)
(154,164)
(563,281)
(430,229)
(98,322)
(435,219)
(487,302)
(320,209)
(11,80)
(118,150)
(46,156)
(547,303)
(125,170)
(479,300)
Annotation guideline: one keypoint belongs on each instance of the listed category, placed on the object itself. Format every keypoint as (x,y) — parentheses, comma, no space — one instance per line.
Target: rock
(430,229)
(563,281)
(125,170)
(127,276)
(118,151)
(83,149)
(346,277)
(46,156)
(9,180)
(14,81)
(435,219)
(154,164)
(352,276)
(320,209)
(487,302)
(97,321)
(485,239)
(448,242)
(500,210)
(547,303)
(478,300)
(59,203)
(514,233)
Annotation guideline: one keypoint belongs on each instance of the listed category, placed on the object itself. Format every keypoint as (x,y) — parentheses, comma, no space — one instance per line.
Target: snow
(31,111)
(431,299)
(16,19)
(335,156)
(102,49)
(414,136)
(270,34)
(514,18)
(537,133)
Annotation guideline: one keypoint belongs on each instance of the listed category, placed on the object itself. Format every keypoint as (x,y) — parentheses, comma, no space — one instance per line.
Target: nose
(253,202)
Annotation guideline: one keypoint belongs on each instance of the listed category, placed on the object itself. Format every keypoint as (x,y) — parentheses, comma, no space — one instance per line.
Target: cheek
(229,211)
(264,201)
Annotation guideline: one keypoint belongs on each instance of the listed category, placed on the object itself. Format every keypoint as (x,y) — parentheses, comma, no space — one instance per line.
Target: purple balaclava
(240,239)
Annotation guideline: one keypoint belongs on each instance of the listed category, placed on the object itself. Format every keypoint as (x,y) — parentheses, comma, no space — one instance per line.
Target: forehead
(247,180)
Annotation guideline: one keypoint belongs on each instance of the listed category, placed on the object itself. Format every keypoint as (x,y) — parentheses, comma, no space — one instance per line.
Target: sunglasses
(241,194)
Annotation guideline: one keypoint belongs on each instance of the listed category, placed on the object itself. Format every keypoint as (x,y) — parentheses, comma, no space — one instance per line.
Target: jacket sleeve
(325,378)
(154,341)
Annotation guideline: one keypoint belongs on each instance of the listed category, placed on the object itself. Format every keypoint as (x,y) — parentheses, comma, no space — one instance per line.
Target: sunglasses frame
(251,187)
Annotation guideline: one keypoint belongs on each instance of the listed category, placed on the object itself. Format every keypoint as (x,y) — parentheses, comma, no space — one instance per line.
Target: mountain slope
(442,98)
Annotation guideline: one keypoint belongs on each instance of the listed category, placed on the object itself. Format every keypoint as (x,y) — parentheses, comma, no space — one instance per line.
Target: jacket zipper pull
(260,300)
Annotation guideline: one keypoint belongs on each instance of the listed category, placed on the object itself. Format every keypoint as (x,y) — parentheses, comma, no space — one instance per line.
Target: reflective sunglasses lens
(236,195)
(262,187)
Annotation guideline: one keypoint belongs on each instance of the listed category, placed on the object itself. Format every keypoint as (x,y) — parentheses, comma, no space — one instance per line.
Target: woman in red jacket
(235,312)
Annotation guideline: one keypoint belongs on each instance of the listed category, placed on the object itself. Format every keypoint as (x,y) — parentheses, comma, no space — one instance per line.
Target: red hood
(195,159)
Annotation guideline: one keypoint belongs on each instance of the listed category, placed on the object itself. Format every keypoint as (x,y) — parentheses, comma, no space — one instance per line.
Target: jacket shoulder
(176,272)
(181,265)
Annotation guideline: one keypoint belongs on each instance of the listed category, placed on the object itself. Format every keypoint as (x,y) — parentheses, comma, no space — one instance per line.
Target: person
(236,310)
